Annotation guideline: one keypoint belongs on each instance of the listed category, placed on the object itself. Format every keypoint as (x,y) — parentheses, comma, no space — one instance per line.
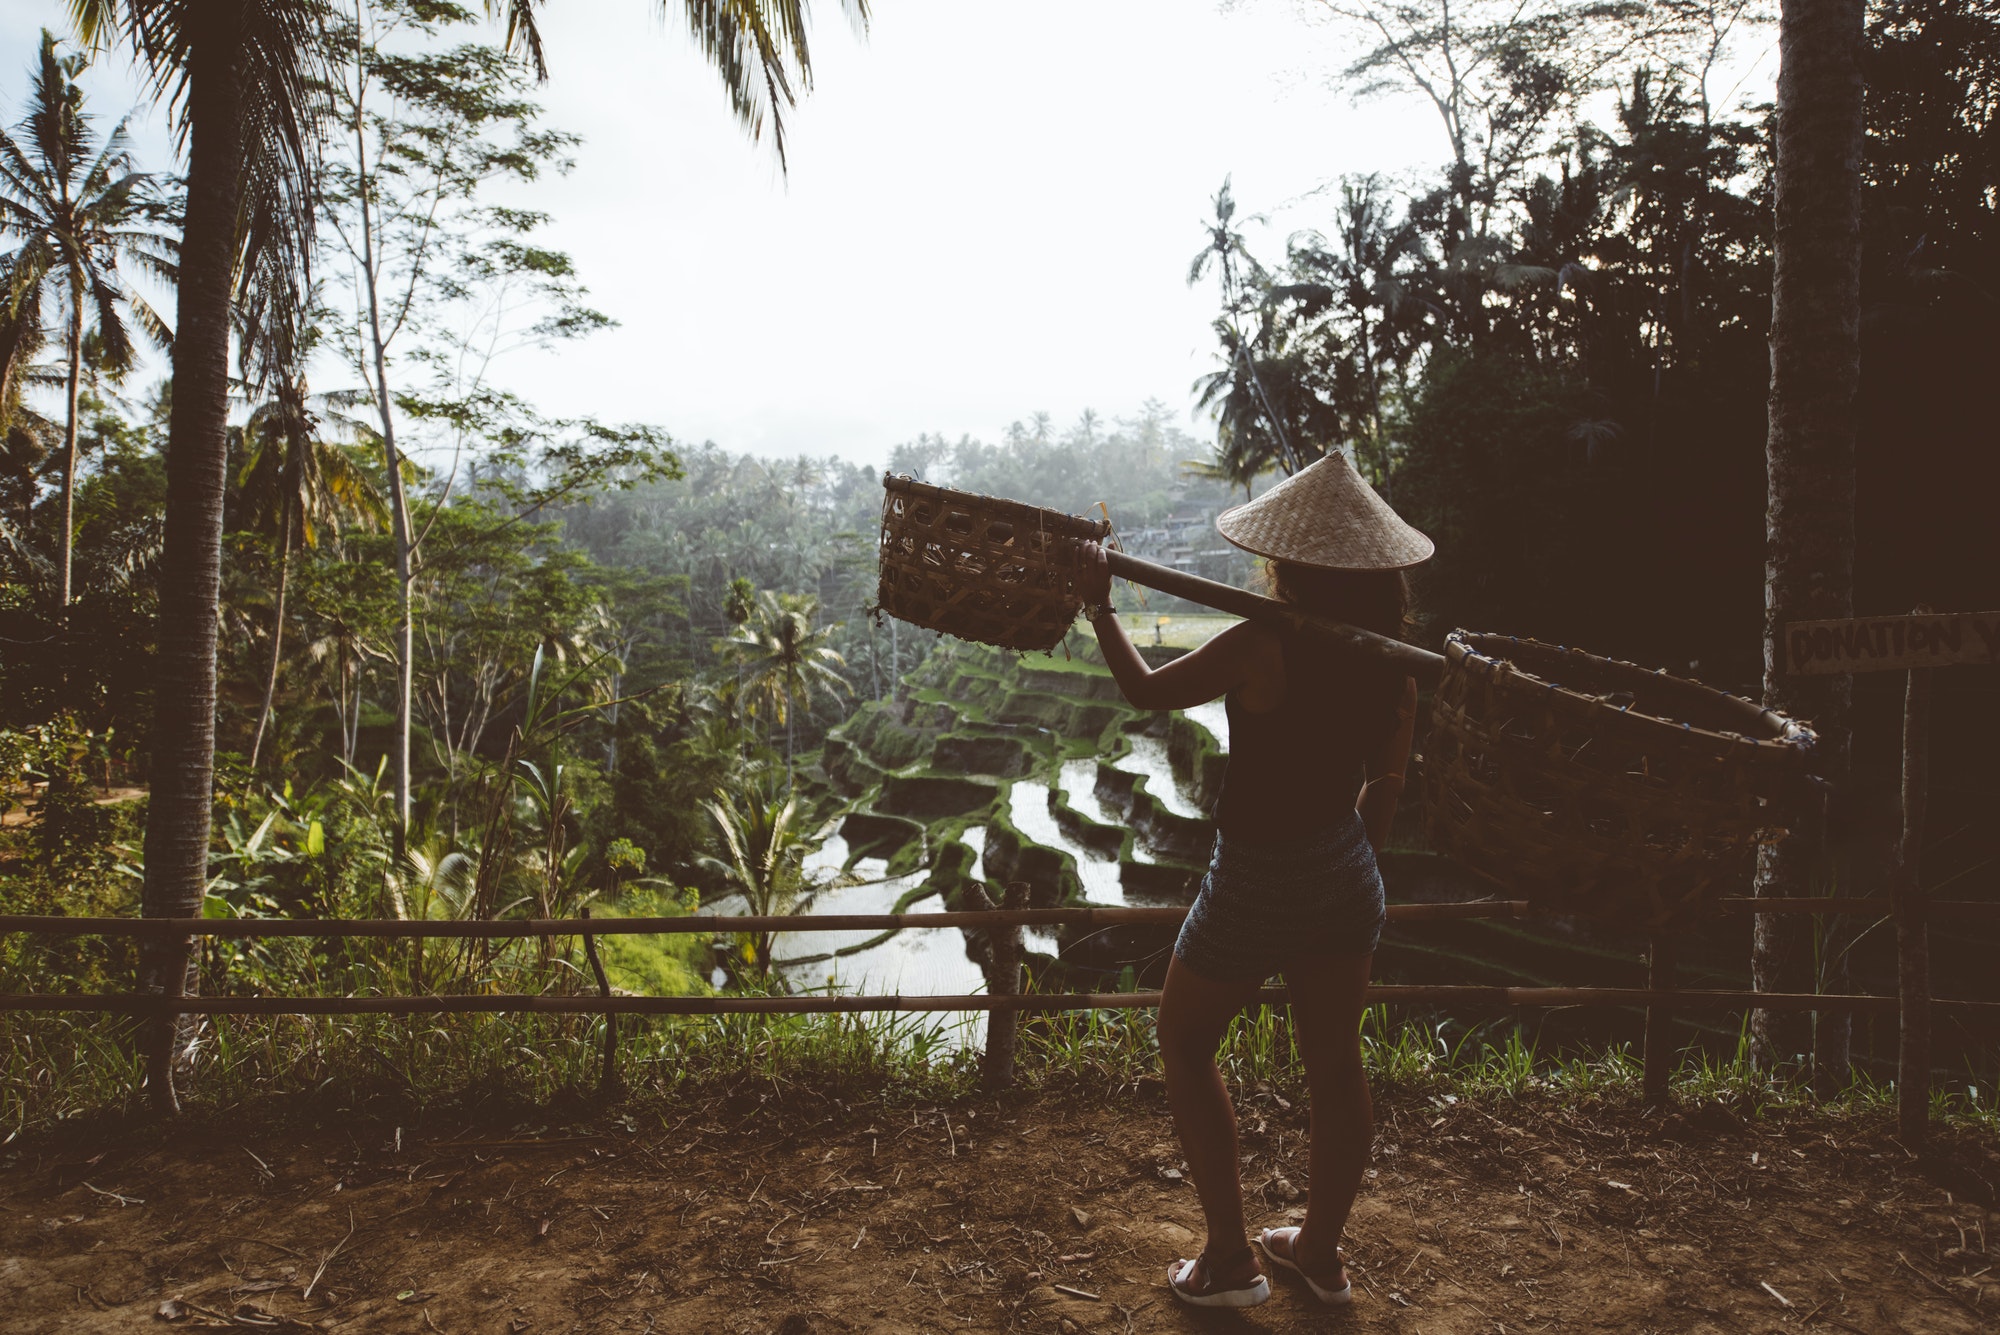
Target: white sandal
(1250,1295)
(1339,1297)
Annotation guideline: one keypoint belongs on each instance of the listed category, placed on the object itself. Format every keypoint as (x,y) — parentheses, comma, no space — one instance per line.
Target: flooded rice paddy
(931,961)
(1148,758)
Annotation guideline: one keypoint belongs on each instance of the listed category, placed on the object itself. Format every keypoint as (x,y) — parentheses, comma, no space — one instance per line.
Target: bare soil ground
(787,1212)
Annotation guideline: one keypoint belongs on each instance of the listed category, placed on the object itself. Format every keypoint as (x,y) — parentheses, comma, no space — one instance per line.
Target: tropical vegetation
(331,622)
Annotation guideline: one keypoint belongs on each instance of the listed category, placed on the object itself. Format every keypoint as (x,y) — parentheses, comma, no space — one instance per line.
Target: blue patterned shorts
(1266,902)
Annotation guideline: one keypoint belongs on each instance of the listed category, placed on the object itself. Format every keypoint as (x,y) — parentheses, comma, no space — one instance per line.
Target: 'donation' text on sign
(1883,644)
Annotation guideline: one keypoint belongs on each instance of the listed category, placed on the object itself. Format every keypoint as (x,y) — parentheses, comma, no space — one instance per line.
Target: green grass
(56,1068)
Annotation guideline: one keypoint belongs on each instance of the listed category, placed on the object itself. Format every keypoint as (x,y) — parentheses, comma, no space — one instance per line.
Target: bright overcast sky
(990,209)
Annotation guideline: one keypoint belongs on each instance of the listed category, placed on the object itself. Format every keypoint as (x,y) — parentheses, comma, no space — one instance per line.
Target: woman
(1317,749)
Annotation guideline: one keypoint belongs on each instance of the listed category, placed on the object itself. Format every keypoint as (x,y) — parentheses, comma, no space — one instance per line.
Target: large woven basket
(1598,788)
(980,567)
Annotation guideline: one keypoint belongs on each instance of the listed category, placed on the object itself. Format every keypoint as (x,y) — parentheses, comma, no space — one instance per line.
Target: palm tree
(759,47)
(1809,453)
(1266,405)
(78,208)
(1240,273)
(297,485)
(767,841)
(786,659)
(1365,276)
(247,80)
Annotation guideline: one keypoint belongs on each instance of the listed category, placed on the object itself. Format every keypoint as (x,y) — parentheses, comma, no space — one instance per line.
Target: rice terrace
(568,763)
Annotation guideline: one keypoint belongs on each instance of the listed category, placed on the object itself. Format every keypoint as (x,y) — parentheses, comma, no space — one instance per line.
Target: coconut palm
(758,47)
(78,208)
(786,660)
(298,486)
(1266,405)
(1240,273)
(246,80)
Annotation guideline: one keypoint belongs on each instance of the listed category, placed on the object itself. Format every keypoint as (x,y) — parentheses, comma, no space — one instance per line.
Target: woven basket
(1601,789)
(980,567)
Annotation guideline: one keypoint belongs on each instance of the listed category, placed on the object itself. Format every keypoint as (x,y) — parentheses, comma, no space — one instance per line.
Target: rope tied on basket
(1600,788)
(1117,544)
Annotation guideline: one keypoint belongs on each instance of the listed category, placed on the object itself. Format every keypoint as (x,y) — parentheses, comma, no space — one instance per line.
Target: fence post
(1913,955)
(609,1079)
(1003,979)
(1659,1053)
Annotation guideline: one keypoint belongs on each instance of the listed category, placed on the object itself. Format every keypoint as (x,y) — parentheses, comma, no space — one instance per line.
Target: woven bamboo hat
(1326,515)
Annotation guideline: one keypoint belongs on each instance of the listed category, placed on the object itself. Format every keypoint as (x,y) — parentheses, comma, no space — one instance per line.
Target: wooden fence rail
(815,1003)
(241,928)
(1660,998)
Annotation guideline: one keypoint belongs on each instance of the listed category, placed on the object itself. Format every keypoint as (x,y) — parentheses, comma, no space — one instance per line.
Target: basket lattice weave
(1601,789)
(980,567)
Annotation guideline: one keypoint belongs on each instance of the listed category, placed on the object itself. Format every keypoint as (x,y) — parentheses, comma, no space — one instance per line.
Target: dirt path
(16,808)
(801,1215)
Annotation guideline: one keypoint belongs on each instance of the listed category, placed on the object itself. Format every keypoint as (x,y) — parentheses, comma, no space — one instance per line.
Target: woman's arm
(1379,795)
(1244,655)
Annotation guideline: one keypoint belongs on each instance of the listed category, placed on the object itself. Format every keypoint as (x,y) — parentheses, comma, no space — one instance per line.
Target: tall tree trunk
(69,458)
(399,506)
(1809,454)
(1375,408)
(277,632)
(337,694)
(183,739)
(353,740)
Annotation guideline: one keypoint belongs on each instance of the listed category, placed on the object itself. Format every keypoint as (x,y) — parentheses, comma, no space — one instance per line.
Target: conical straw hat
(1326,515)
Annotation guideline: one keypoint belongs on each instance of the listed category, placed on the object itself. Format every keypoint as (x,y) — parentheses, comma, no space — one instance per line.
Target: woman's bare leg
(1194,1013)
(1327,999)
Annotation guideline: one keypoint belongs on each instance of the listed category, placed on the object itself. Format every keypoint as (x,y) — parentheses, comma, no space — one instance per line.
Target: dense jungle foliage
(618,653)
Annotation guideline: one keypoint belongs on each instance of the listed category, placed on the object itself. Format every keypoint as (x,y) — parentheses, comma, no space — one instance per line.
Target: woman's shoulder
(1252,642)
(1256,654)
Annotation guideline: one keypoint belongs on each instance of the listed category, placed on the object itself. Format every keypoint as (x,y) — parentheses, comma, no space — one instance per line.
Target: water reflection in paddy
(1215,717)
(1079,786)
(1148,757)
(1032,938)
(926,961)
(1029,810)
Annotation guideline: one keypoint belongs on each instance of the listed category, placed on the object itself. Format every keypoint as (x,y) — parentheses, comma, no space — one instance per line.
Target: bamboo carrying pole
(1422,664)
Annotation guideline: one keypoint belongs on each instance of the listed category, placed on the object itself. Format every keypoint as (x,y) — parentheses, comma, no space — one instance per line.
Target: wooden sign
(1884,644)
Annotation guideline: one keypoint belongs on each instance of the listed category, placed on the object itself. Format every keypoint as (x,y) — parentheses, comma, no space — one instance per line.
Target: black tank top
(1298,768)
